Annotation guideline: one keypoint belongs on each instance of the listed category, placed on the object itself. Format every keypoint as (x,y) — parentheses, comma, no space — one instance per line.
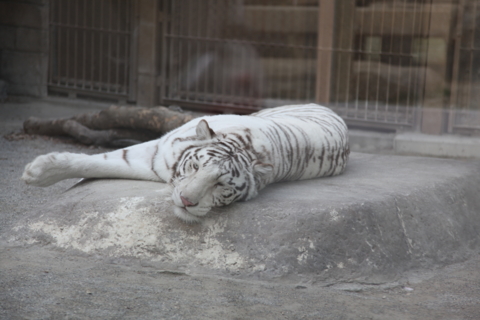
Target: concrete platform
(384,216)
(452,146)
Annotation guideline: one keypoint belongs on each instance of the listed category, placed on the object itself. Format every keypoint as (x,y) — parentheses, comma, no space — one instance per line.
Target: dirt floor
(44,282)
(39,283)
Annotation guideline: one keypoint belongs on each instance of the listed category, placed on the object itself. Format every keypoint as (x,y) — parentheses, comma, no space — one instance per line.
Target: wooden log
(116,126)
(117,138)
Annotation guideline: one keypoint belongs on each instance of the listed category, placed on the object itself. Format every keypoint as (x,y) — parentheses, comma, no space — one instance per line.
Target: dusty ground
(41,282)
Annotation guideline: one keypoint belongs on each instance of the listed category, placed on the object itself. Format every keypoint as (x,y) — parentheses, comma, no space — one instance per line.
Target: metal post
(326,19)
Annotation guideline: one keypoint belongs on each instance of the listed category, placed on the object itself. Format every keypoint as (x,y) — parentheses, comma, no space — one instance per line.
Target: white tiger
(215,160)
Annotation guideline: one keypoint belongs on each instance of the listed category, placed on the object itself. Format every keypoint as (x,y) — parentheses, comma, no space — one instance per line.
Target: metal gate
(465,91)
(210,62)
(234,55)
(389,64)
(366,61)
(91,49)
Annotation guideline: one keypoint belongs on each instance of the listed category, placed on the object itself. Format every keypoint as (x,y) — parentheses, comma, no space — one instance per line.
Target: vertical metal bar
(173,83)
(423,47)
(67,48)
(324,55)
(369,65)
(299,95)
(382,26)
(300,55)
(344,20)
(92,51)
(296,55)
(456,63)
(59,41)
(59,45)
(287,55)
(85,33)
(409,83)
(53,41)
(174,74)
(224,94)
(205,46)
(351,55)
(211,50)
(417,121)
(312,65)
(362,49)
(190,43)
(132,79)
(179,50)
(268,50)
(222,88)
(397,105)
(278,61)
(417,85)
(389,68)
(100,49)
(109,28)
(118,57)
(471,57)
(127,28)
(338,55)
(166,23)
(200,41)
(409,78)
(248,84)
(75,56)
(184,49)
(173,80)
(409,102)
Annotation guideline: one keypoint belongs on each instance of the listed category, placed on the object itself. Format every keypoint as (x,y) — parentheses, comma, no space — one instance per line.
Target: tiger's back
(307,141)
(299,141)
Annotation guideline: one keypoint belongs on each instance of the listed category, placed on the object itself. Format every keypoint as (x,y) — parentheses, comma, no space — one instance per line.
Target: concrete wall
(24,46)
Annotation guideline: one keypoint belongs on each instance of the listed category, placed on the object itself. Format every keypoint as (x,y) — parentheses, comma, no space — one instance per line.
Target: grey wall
(24,46)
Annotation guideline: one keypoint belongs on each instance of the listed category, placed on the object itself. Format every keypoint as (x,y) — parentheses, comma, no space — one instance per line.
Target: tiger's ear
(203,131)
(261,168)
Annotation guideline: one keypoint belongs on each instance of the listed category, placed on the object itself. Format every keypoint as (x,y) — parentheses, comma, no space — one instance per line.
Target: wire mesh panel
(90,47)
(240,55)
(368,62)
(466,78)
(380,77)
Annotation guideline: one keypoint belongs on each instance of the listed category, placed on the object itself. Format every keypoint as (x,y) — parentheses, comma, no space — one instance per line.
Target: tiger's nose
(187,203)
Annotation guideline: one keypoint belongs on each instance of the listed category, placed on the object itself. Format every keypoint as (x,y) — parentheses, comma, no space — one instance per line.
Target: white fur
(285,143)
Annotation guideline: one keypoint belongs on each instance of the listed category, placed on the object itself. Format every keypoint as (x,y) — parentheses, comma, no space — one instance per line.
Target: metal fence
(91,50)
(378,63)
(379,68)
(211,62)
(365,59)
(238,56)
(465,91)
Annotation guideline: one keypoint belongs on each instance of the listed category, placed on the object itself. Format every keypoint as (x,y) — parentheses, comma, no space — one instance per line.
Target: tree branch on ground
(116,126)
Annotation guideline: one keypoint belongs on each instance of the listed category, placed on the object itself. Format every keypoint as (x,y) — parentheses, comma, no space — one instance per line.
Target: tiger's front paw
(46,170)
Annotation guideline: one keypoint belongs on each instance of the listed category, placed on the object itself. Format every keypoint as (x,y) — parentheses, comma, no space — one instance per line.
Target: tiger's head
(213,172)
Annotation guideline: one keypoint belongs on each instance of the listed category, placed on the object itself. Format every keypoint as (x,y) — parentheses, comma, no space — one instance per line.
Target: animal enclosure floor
(42,280)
